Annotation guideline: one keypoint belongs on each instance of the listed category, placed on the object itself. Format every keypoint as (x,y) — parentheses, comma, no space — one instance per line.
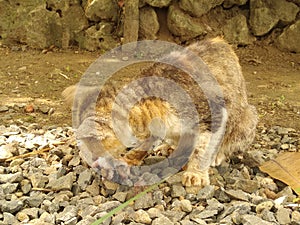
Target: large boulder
(97,10)
(286,11)
(236,31)
(230,3)
(13,19)
(198,7)
(74,21)
(7,16)
(296,2)
(265,14)
(27,3)
(290,38)
(183,25)
(158,3)
(43,28)
(98,37)
(149,25)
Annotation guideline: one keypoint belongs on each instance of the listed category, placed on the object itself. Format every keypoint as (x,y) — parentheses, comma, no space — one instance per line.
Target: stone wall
(99,24)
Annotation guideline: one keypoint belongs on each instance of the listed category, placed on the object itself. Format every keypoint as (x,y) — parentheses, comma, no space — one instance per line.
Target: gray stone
(84,179)
(205,214)
(248,186)
(62,183)
(286,11)
(158,197)
(290,38)
(206,193)
(198,7)
(237,194)
(67,214)
(149,25)
(154,213)
(87,210)
(287,192)
(9,219)
(120,217)
(74,20)
(268,216)
(89,220)
(253,220)
(61,197)
(186,222)
(38,180)
(11,178)
(94,188)
(6,151)
(120,196)
(182,25)
(50,206)
(111,186)
(25,186)
(285,146)
(107,206)
(102,10)
(47,217)
(9,188)
(11,206)
(162,221)
(230,3)
(283,216)
(241,207)
(267,205)
(236,31)
(264,15)
(22,217)
(158,3)
(145,202)
(75,161)
(44,109)
(174,215)
(8,30)
(176,178)
(35,200)
(186,205)
(295,217)
(254,158)
(40,25)
(3,108)
(261,19)
(94,39)
(141,216)
(33,213)
(214,204)
(177,191)
(150,178)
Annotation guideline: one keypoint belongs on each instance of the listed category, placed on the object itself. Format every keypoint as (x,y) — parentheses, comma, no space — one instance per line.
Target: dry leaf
(286,168)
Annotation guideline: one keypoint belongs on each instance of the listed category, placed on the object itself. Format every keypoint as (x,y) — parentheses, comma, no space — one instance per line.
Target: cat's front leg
(196,173)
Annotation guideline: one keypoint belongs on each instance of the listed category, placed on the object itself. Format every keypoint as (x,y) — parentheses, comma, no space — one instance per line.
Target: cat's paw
(111,169)
(195,178)
(218,160)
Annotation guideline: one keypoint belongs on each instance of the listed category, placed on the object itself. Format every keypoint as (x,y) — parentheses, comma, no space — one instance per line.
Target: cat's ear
(68,95)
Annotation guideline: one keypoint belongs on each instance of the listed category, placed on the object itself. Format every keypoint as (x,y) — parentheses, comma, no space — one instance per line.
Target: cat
(156,123)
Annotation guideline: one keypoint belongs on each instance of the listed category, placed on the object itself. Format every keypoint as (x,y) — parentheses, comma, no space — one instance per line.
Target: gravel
(52,185)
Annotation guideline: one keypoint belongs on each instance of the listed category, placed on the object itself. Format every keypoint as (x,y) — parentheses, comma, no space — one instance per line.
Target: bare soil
(33,78)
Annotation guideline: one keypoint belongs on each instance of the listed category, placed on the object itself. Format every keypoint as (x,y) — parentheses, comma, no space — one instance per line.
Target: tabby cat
(155,122)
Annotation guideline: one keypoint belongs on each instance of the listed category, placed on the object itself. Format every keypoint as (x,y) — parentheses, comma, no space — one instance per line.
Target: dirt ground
(34,79)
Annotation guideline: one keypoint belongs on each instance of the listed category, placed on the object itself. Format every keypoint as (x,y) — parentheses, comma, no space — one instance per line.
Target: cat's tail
(69,94)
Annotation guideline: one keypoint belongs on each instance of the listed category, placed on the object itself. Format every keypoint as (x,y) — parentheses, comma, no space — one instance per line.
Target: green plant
(121,207)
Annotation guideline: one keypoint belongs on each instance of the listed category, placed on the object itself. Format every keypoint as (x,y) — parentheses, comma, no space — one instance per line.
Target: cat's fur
(240,116)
